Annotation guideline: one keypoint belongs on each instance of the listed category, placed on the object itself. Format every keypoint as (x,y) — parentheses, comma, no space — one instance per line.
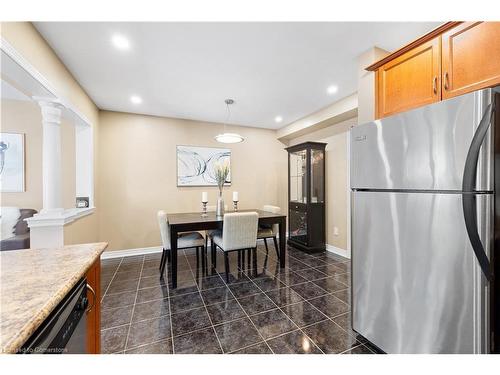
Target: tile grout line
(241,307)
(149,343)
(135,301)
(198,307)
(354,347)
(110,281)
(167,268)
(291,319)
(201,296)
(249,346)
(248,279)
(279,308)
(336,316)
(284,334)
(303,300)
(331,318)
(204,328)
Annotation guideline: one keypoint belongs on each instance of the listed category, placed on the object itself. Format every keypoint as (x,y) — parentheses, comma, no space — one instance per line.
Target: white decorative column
(51,159)
(47,227)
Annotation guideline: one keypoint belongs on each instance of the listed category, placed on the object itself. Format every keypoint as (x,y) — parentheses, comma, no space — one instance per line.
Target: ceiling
(186,70)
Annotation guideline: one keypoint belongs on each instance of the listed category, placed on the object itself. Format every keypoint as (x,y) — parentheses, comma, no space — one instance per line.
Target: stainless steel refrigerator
(423,227)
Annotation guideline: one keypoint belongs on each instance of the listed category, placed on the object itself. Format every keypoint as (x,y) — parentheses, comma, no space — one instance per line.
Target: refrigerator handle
(468,187)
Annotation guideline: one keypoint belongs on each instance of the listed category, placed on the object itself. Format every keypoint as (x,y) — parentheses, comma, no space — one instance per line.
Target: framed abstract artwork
(12,162)
(195,165)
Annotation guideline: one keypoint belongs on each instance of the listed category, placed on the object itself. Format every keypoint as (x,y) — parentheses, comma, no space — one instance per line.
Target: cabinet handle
(94,298)
(434,85)
(446,81)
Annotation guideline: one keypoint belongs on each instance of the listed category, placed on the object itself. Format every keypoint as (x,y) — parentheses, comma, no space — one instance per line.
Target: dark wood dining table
(191,222)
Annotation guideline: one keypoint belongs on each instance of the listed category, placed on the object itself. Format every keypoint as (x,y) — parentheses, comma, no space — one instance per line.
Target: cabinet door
(297,221)
(410,80)
(94,315)
(471,57)
(298,176)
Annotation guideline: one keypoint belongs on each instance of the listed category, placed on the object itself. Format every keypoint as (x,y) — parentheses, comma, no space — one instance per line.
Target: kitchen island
(34,281)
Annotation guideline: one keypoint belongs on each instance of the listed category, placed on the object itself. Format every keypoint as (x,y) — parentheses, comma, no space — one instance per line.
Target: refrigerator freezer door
(416,284)
(422,149)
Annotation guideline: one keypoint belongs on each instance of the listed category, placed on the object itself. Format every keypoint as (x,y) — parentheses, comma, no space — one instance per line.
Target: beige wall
(366,84)
(138,173)
(337,195)
(24,117)
(29,43)
(339,111)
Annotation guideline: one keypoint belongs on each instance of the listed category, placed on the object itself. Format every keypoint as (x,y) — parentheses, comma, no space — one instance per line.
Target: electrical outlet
(335,231)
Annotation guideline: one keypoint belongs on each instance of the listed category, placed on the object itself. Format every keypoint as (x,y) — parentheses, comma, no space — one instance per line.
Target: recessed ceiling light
(136,99)
(120,42)
(278,119)
(332,89)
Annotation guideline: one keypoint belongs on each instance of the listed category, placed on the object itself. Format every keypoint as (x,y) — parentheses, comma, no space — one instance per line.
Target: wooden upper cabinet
(471,57)
(410,80)
(453,59)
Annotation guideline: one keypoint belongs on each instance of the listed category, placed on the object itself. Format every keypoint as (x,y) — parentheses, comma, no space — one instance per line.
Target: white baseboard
(338,251)
(130,252)
(157,249)
(133,252)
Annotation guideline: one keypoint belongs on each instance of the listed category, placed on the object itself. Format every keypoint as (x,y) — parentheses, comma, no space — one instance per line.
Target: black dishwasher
(64,330)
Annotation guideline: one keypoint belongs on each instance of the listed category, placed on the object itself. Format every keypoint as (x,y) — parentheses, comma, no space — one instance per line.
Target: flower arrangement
(221,173)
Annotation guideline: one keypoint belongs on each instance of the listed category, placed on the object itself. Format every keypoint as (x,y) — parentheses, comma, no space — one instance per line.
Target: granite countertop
(33,282)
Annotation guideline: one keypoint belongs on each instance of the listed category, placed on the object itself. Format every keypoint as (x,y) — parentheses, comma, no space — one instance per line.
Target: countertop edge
(16,342)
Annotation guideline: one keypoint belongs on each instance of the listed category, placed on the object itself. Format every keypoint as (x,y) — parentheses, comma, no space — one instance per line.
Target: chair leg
(162,257)
(239,259)
(169,255)
(162,268)
(276,247)
(202,258)
(226,265)
(265,243)
(249,260)
(254,259)
(214,255)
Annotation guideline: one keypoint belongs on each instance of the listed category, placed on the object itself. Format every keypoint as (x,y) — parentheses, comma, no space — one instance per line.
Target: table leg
(173,250)
(282,225)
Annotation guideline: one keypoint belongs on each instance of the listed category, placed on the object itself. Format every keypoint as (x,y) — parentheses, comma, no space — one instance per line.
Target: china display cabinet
(306,196)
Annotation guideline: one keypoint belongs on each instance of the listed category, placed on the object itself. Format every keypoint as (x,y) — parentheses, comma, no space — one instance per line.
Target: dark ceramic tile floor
(303,308)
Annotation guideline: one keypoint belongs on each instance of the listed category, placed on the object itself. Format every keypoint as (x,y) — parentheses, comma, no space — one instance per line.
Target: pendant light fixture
(228,137)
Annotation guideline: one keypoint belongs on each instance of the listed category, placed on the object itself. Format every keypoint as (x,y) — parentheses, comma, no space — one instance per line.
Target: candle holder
(204,213)
(235,206)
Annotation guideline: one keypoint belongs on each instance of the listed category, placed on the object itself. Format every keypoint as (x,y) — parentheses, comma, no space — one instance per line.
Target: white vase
(220,205)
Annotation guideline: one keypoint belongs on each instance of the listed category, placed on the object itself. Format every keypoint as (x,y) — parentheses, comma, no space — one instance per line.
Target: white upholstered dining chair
(185,240)
(265,232)
(209,233)
(239,232)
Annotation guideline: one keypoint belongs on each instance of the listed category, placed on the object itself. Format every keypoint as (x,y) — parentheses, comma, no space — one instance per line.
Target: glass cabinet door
(298,176)
(298,226)
(317,177)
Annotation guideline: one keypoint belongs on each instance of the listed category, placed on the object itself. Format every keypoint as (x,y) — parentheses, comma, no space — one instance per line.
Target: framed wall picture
(12,162)
(195,165)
